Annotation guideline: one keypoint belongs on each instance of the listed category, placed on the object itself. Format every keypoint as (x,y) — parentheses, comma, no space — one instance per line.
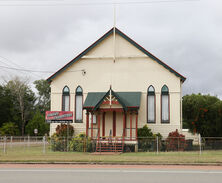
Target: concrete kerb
(114,163)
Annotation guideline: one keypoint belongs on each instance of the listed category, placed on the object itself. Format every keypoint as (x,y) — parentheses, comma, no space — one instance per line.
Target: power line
(28,70)
(25,70)
(3,68)
(99,3)
(36,75)
(30,0)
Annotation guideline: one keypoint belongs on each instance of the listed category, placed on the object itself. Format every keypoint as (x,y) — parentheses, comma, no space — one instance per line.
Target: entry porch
(112,123)
(112,118)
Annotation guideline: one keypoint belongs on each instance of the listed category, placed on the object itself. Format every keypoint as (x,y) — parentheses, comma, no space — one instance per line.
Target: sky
(44,35)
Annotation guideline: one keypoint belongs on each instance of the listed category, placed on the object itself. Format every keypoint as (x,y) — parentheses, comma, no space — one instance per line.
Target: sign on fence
(35,131)
(59,116)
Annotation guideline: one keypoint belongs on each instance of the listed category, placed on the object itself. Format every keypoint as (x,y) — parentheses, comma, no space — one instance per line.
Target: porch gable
(128,100)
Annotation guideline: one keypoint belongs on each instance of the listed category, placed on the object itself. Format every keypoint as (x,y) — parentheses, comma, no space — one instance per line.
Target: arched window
(78,104)
(65,98)
(151,105)
(165,107)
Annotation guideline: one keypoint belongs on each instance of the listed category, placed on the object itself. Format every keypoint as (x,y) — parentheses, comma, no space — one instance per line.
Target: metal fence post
(4,145)
(157,144)
(178,143)
(200,144)
(28,141)
(67,137)
(11,141)
(43,144)
(50,144)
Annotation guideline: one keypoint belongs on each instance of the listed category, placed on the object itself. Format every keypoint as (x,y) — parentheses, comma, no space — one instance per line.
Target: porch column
(114,123)
(103,124)
(126,130)
(87,123)
(124,124)
(131,124)
(92,125)
(136,124)
(98,116)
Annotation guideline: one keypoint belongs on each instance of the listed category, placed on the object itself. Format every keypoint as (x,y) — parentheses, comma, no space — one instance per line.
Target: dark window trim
(78,94)
(63,96)
(165,93)
(151,94)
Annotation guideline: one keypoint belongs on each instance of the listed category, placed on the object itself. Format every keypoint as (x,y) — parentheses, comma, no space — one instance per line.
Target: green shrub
(147,140)
(129,148)
(59,138)
(80,143)
(58,143)
(144,132)
(9,128)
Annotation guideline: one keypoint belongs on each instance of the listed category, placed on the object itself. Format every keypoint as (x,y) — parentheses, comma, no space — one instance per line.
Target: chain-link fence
(23,143)
(15,144)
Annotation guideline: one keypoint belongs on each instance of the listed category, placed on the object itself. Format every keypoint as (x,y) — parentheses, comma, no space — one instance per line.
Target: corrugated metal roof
(130,99)
(93,98)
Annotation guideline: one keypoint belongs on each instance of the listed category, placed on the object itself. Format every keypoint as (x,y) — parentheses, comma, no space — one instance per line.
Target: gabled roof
(93,98)
(125,37)
(126,99)
(113,94)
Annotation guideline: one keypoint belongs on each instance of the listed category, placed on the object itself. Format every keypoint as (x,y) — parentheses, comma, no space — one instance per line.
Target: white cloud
(185,35)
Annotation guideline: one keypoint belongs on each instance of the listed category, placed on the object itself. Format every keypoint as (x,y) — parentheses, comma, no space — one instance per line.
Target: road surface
(108,174)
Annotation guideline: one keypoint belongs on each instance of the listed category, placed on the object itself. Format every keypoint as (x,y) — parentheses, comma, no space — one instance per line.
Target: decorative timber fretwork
(113,100)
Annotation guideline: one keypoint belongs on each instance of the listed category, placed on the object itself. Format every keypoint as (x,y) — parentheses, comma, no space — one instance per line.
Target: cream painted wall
(132,71)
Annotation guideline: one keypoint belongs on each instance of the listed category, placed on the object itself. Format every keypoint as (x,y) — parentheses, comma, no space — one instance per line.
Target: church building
(114,87)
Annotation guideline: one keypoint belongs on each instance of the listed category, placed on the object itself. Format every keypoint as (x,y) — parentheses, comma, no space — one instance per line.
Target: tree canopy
(37,122)
(19,106)
(43,99)
(203,114)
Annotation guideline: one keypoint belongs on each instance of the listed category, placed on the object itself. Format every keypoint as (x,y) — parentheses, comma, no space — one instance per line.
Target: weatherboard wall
(132,71)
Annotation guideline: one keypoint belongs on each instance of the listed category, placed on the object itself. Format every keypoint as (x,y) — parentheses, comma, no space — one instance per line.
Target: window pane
(78,107)
(66,103)
(94,118)
(151,89)
(165,108)
(151,108)
(79,89)
(66,90)
(164,89)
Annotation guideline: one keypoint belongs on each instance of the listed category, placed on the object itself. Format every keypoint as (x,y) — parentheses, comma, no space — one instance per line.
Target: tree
(202,114)
(37,122)
(6,105)
(43,99)
(24,100)
(9,128)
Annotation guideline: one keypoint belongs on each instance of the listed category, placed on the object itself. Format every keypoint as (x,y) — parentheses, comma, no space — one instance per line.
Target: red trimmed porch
(103,129)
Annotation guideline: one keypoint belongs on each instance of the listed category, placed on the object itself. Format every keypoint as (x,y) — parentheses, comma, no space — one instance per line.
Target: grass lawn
(35,154)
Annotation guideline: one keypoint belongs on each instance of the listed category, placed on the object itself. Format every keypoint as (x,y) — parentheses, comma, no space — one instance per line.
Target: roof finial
(110,95)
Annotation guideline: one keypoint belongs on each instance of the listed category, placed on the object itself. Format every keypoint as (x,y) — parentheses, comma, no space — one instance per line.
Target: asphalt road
(110,175)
